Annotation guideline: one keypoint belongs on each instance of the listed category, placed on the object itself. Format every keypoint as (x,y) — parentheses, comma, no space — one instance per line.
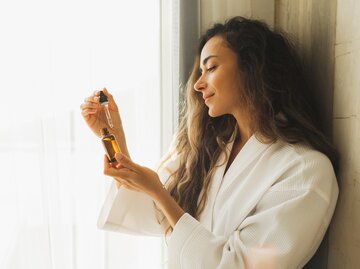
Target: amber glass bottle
(110,144)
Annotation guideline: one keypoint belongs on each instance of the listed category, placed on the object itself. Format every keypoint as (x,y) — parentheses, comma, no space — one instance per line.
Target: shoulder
(302,167)
(299,154)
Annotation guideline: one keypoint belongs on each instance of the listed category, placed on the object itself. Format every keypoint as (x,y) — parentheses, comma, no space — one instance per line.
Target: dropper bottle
(105,103)
(110,144)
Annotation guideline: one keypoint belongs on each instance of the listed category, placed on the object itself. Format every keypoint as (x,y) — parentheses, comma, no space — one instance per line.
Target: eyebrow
(207,58)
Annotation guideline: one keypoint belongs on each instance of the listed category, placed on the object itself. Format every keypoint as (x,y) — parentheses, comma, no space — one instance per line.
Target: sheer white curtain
(53,54)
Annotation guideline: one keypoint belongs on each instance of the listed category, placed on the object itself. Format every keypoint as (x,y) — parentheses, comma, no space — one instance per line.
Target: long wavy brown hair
(276,94)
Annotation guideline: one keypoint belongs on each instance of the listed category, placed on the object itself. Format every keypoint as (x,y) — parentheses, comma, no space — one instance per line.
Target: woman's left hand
(133,176)
(138,178)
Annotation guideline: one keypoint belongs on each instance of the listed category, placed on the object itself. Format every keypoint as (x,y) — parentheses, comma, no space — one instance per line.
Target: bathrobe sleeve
(133,212)
(282,231)
(128,212)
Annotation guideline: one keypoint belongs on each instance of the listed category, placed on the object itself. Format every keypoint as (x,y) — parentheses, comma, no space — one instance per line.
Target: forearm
(171,210)
(142,179)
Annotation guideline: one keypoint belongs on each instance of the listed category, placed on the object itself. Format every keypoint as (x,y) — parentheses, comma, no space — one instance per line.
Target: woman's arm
(142,179)
(284,235)
(284,230)
(171,210)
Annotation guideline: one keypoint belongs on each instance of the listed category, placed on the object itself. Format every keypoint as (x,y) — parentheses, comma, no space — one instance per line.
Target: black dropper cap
(104,131)
(103,99)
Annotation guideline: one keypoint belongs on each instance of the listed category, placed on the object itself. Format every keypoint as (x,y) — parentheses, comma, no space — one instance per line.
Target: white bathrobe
(270,209)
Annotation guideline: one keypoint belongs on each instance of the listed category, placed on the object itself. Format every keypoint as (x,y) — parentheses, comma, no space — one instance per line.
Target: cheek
(212,79)
(235,88)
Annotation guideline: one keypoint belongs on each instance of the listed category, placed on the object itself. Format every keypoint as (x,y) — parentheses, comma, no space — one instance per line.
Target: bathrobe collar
(234,180)
(249,152)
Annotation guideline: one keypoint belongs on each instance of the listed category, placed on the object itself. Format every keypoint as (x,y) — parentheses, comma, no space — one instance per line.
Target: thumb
(112,103)
(106,92)
(125,161)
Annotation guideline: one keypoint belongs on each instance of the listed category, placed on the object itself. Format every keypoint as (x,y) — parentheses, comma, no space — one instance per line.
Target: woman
(249,181)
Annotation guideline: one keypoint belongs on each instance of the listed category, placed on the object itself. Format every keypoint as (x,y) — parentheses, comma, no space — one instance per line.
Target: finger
(88,105)
(96,93)
(109,170)
(119,166)
(113,164)
(107,165)
(110,98)
(127,186)
(125,161)
(87,112)
(92,99)
(123,173)
(106,92)
(119,181)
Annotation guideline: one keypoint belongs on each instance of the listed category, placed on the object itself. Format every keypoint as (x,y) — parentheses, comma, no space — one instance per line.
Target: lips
(208,96)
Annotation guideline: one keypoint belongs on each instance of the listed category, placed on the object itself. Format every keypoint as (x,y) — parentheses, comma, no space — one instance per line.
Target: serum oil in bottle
(110,144)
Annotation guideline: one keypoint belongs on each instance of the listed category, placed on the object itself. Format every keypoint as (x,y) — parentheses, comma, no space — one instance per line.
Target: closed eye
(212,68)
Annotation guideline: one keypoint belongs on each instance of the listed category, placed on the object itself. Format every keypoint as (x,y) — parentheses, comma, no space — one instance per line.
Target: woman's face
(220,81)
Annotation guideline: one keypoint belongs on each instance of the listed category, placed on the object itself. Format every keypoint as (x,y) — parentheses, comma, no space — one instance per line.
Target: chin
(213,113)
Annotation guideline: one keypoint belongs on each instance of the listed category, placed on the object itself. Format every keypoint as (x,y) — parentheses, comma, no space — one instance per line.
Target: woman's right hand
(94,114)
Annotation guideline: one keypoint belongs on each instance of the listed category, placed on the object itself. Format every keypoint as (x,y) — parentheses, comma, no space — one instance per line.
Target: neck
(244,130)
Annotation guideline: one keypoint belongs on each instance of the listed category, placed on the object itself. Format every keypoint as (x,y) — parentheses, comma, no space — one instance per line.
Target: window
(53,54)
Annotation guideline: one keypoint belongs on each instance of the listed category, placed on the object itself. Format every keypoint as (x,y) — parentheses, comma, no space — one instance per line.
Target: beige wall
(311,24)
(328,33)
(345,231)
(220,10)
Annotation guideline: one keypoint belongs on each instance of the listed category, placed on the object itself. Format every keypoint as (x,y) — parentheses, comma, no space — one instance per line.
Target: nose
(200,84)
